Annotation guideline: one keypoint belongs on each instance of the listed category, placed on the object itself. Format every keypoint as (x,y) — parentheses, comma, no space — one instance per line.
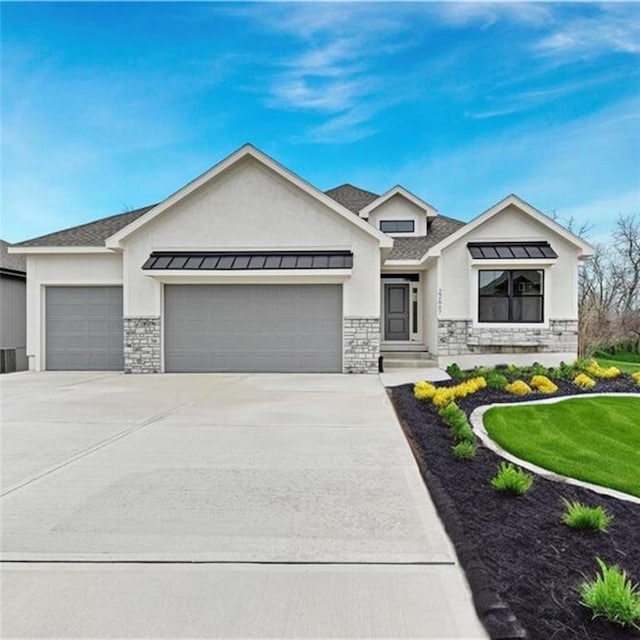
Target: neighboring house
(13,311)
(250,268)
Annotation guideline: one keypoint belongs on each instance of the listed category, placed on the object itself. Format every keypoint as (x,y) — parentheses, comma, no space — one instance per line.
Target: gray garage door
(84,328)
(287,328)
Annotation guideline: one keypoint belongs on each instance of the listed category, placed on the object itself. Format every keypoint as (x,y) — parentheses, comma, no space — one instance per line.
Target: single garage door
(286,328)
(84,329)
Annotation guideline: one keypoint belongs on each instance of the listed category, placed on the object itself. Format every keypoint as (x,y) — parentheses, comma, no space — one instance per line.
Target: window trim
(393,222)
(511,297)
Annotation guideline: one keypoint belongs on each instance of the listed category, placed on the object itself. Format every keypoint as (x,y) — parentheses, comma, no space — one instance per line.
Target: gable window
(511,295)
(397,226)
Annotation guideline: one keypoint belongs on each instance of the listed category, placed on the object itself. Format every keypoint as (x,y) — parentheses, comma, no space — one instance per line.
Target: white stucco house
(251,268)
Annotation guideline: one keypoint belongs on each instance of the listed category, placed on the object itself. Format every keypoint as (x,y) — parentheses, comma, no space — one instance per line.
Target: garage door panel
(292,328)
(84,328)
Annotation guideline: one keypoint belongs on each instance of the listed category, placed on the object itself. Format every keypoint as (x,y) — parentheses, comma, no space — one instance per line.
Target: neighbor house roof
(9,261)
(92,234)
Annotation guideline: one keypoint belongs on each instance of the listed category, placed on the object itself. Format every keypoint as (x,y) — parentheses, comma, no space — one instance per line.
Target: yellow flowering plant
(518,388)
(584,381)
(596,371)
(543,384)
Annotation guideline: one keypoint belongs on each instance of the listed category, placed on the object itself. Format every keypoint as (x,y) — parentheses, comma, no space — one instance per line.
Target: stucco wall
(399,208)
(56,269)
(459,289)
(250,207)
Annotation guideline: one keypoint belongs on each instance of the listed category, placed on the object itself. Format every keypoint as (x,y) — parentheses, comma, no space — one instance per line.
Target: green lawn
(591,439)
(629,367)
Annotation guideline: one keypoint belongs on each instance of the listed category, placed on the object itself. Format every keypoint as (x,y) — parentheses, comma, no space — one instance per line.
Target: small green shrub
(462,431)
(511,479)
(496,380)
(581,516)
(451,412)
(464,450)
(564,371)
(612,596)
(455,371)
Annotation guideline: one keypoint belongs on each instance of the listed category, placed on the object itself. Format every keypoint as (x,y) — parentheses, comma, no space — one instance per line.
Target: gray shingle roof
(95,233)
(413,248)
(92,234)
(11,261)
(352,197)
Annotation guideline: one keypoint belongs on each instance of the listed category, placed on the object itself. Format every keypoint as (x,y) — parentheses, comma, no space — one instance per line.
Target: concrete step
(406,355)
(392,363)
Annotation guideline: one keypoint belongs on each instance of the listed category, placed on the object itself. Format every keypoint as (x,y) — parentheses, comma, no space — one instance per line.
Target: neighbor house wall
(463,339)
(399,208)
(13,321)
(58,269)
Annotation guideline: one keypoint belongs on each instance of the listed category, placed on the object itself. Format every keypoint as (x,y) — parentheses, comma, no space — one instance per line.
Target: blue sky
(109,106)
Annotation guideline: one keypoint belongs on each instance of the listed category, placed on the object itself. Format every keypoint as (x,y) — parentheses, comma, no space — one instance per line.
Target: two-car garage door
(280,328)
(285,328)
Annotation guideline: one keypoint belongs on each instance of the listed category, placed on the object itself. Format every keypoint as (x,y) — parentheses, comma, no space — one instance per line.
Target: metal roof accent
(510,250)
(247,260)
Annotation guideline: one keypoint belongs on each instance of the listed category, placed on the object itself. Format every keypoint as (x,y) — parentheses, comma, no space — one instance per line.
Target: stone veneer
(459,337)
(361,345)
(142,350)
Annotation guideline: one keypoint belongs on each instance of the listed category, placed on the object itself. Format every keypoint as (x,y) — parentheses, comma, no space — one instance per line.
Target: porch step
(407,360)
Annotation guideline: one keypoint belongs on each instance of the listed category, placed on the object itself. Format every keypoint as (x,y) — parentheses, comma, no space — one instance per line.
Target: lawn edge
(477,424)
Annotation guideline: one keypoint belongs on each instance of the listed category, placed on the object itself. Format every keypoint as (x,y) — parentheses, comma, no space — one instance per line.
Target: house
(251,268)
(13,311)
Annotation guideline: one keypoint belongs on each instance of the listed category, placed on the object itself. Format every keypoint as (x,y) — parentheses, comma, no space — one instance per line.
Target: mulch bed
(522,563)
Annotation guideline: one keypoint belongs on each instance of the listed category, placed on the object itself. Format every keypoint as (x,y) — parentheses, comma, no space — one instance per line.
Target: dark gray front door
(396,311)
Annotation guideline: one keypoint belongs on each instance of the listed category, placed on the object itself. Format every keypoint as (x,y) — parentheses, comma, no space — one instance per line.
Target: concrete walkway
(297,495)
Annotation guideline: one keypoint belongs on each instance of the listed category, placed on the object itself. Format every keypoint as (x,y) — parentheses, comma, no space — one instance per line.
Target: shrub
(463,432)
(496,380)
(584,381)
(464,450)
(636,377)
(564,371)
(543,384)
(612,596)
(450,412)
(511,479)
(518,388)
(423,390)
(455,371)
(596,371)
(581,516)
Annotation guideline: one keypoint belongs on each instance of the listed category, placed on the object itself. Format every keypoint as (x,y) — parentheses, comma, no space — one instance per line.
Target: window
(397,226)
(511,296)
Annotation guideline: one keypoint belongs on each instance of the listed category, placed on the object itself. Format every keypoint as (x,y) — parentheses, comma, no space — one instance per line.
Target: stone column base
(142,350)
(361,347)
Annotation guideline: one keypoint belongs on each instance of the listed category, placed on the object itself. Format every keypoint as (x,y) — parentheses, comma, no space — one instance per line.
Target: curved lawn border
(477,423)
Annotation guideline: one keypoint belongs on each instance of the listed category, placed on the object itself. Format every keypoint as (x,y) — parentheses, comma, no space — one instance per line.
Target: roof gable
(524,207)
(402,192)
(246,151)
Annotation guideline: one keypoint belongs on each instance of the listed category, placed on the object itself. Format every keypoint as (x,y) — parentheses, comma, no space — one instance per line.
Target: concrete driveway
(218,506)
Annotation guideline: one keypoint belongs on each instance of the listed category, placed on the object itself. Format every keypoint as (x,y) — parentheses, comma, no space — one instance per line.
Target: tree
(609,291)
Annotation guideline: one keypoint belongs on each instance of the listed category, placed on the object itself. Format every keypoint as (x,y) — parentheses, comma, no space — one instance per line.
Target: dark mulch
(516,549)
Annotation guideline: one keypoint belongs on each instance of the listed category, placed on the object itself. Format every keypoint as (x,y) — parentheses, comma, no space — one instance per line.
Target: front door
(396,311)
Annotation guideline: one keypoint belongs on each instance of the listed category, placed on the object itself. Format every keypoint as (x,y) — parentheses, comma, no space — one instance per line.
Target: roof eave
(58,249)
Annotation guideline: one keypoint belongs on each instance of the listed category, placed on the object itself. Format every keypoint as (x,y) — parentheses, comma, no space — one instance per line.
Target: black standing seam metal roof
(247,260)
(510,250)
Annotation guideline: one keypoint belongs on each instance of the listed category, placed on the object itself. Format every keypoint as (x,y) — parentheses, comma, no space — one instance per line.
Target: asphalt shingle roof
(351,197)
(10,260)
(92,234)
(95,233)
